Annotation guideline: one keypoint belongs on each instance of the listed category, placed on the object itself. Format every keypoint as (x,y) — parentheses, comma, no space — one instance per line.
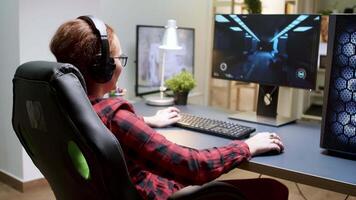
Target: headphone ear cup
(112,63)
(111,66)
(103,72)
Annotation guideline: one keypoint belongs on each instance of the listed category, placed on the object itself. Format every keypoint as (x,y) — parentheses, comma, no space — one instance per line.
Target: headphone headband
(99,28)
(103,69)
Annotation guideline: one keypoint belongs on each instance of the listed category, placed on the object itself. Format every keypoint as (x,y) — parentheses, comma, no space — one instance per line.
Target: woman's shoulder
(113,104)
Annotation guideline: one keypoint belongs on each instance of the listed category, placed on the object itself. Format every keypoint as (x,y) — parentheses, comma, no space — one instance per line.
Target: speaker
(338,131)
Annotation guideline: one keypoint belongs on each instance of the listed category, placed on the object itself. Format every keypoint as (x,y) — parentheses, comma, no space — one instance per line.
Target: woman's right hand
(264,142)
(163,118)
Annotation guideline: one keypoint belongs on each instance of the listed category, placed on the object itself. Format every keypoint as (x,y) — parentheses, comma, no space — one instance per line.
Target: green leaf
(182,82)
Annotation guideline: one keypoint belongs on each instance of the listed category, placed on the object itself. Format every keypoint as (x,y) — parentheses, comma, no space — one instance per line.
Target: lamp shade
(170,39)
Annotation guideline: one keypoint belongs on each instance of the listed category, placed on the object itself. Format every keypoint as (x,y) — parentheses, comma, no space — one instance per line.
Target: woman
(157,166)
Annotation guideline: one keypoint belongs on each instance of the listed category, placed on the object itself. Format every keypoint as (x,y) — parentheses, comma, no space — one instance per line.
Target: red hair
(75,42)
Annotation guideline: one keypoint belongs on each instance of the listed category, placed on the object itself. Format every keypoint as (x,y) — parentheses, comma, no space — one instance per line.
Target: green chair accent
(78,159)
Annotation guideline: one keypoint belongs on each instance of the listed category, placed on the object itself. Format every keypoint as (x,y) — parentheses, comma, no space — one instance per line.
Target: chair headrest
(47,71)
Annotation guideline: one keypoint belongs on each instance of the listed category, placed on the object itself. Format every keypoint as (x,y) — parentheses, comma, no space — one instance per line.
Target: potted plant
(181,84)
(253,6)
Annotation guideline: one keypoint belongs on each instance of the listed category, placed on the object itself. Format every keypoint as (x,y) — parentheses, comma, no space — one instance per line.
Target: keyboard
(214,127)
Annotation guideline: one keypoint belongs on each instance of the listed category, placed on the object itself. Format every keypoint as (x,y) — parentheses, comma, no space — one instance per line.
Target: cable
(260,176)
(270,93)
(300,191)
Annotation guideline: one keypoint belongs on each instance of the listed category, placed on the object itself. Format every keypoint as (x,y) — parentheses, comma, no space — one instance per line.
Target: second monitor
(272,50)
(149,57)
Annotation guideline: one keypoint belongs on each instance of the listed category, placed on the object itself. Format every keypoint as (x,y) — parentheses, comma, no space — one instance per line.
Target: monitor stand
(266,109)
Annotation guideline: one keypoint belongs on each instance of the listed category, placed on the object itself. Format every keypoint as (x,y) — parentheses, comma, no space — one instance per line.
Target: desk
(303,160)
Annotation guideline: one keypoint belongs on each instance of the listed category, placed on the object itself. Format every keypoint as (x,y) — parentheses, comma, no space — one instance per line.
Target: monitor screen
(149,57)
(277,50)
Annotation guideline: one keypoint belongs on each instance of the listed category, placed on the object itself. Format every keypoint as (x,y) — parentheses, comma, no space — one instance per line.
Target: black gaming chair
(66,140)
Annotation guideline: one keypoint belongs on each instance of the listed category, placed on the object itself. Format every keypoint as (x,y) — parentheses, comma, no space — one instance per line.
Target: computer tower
(338,130)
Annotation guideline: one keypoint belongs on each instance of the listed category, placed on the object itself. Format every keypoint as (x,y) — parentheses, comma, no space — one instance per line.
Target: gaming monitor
(149,57)
(275,50)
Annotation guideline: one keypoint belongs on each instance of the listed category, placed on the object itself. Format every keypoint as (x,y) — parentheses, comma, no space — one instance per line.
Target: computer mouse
(272,152)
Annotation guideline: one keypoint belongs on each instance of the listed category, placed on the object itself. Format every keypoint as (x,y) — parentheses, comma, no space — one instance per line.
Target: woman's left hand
(163,117)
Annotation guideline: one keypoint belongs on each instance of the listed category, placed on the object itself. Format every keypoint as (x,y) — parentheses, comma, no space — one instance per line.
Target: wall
(28,35)
(125,15)
(31,24)
(36,30)
(272,8)
(10,149)
(338,6)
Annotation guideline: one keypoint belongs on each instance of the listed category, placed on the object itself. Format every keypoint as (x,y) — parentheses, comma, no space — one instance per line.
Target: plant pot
(180,98)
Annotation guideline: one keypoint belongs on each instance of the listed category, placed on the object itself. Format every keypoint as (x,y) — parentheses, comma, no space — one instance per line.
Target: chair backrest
(66,140)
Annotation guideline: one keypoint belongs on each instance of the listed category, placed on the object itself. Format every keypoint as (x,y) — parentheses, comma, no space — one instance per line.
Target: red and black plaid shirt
(157,166)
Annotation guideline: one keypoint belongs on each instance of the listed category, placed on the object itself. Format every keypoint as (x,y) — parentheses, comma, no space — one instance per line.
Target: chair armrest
(209,191)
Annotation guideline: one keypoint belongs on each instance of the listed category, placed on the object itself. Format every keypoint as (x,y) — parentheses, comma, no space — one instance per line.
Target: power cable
(300,192)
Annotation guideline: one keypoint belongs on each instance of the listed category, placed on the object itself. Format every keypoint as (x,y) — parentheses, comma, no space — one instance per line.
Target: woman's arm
(158,155)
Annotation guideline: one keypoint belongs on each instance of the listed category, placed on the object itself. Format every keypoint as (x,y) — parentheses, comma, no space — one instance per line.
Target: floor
(306,192)
(309,193)
(40,193)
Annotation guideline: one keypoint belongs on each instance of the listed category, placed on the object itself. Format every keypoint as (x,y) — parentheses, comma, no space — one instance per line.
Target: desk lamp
(169,42)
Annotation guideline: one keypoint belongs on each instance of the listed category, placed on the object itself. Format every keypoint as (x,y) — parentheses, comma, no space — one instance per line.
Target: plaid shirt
(157,166)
